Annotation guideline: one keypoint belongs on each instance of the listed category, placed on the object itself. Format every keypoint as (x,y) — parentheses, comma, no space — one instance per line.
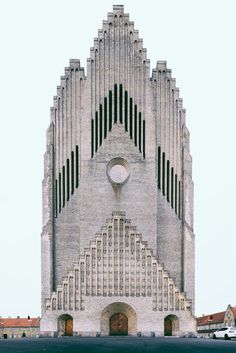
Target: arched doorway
(118,325)
(65,325)
(171,325)
(118,319)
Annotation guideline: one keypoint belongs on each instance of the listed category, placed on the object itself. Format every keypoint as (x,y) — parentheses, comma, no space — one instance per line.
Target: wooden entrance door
(69,327)
(118,325)
(168,327)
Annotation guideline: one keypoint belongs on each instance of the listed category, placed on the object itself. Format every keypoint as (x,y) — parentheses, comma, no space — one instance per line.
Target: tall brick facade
(117,239)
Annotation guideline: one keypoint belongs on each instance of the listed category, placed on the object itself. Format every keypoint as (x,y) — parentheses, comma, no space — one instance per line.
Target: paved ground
(116,345)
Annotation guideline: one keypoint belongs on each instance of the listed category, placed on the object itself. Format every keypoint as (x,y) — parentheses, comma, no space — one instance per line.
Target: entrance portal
(65,325)
(69,327)
(168,327)
(118,319)
(118,325)
(171,325)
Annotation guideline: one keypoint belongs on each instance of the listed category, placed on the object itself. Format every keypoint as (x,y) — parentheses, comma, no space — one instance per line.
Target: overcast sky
(197,38)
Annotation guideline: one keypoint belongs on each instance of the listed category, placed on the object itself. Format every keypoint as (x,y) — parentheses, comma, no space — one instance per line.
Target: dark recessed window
(176,193)
(105,117)
(115,103)
(179,206)
(63,186)
(135,124)
(140,132)
(77,166)
(159,167)
(110,110)
(131,118)
(68,179)
(59,192)
(144,140)
(168,181)
(126,111)
(96,131)
(100,124)
(121,104)
(72,173)
(92,137)
(163,172)
(172,188)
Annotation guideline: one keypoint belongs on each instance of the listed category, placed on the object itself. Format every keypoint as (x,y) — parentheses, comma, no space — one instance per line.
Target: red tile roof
(21,322)
(211,319)
(214,318)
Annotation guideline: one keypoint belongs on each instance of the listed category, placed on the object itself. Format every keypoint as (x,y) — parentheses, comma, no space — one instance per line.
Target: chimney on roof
(18,317)
(28,317)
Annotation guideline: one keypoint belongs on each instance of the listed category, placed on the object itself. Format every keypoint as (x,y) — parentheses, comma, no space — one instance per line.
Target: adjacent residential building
(117,239)
(207,324)
(19,327)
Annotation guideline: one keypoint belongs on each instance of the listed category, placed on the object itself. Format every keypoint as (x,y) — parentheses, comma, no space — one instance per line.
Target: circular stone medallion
(118,170)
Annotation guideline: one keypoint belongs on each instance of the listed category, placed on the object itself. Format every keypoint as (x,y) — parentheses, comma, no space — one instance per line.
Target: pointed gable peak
(118,9)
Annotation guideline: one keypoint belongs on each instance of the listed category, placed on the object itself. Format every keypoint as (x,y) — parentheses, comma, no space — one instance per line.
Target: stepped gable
(118,263)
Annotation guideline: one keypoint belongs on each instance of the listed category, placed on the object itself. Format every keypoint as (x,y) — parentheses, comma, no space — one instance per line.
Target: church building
(117,237)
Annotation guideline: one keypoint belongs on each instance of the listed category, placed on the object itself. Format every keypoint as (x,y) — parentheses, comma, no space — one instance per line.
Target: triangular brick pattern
(118,107)
(118,263)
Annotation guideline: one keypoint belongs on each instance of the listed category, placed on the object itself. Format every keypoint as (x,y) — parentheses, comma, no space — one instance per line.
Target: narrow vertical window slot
(172,188)
(140,132)
(168,181)
(100,124)
(179,206)
(176,192)
(135,124)
(110,110)
(144,139)
(59,192)
(121,104)
(96,131)
(126,111)
(77,166)
(115,103)
(105,117)
(92,138)
(67,179)
(163,172)
(72,173)
(159,167)
(131,118)
(63,186)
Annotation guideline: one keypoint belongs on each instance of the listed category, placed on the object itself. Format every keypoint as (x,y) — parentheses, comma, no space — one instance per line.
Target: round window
(118,170)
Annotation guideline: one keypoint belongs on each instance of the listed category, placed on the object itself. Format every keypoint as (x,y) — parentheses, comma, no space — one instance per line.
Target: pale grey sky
(197,38)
